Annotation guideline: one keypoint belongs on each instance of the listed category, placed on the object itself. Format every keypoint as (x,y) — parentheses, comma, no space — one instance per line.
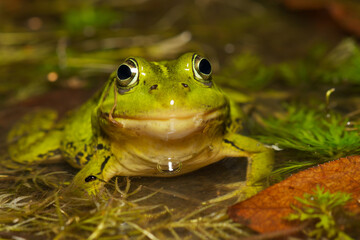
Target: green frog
(158,119)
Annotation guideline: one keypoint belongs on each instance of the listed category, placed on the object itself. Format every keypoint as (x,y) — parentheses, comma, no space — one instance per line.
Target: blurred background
(70,47)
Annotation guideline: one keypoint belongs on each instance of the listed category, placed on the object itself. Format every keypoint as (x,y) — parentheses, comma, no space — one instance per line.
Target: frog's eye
(202,68)
(128,73)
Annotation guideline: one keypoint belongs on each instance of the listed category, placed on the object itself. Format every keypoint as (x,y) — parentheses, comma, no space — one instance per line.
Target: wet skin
(158,119)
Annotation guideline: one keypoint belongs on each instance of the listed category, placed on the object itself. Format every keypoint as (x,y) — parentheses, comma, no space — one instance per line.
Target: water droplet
(170,166)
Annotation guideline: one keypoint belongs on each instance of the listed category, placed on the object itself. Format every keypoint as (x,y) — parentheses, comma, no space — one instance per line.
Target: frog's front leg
(90,180)
(260,164)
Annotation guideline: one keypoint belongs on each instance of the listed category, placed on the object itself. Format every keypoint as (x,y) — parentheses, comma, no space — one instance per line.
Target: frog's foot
(239,190)
(86,186)
(91,180)
(94,191)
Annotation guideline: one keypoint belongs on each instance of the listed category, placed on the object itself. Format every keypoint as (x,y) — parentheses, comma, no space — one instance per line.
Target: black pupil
(124,72)
(205,66)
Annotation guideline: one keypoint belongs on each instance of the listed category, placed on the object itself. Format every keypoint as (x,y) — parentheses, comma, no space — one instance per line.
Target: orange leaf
(347,14)
(265,211)
(305,4)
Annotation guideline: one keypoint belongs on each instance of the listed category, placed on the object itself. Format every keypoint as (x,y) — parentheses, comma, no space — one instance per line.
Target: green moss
(312,135)
(314,131)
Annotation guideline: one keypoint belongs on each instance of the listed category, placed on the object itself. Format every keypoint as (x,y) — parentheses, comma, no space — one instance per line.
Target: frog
(157,119)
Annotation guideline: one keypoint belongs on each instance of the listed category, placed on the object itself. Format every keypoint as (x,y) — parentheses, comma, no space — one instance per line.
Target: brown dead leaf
(265,211)
(305,4)
(347,14)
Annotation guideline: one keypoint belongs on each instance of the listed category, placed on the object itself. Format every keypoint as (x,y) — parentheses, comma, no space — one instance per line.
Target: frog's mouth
(168,126)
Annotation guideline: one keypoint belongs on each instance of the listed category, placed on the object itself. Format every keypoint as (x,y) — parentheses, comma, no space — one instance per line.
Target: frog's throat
(158,165)
(168,126)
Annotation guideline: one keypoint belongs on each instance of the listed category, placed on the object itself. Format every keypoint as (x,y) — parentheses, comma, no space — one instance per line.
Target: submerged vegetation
(317,136)
(322,207)
(341,65)
(315,132)
(254,74)
(44,211)
(320,66)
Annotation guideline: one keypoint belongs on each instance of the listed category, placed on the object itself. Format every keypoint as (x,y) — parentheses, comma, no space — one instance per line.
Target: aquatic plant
(317,133)
(35,205)
(320,206)
(246,71)
(342,64)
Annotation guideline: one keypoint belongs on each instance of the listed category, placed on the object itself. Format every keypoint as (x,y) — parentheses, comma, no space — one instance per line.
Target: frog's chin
(169,127)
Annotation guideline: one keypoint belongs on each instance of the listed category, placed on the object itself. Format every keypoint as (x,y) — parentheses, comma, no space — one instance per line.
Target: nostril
(153,87)
(185,85)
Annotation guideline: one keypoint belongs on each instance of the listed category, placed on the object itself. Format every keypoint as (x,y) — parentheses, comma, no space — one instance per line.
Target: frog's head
(164,100)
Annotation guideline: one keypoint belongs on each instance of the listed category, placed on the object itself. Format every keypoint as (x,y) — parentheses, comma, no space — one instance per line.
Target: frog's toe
(239,190)
(88,188)
(78,192)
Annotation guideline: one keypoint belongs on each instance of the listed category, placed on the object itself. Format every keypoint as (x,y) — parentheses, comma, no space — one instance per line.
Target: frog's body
(150,119)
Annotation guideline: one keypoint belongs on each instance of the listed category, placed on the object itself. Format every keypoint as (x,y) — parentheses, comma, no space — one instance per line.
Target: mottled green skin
(131,131)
